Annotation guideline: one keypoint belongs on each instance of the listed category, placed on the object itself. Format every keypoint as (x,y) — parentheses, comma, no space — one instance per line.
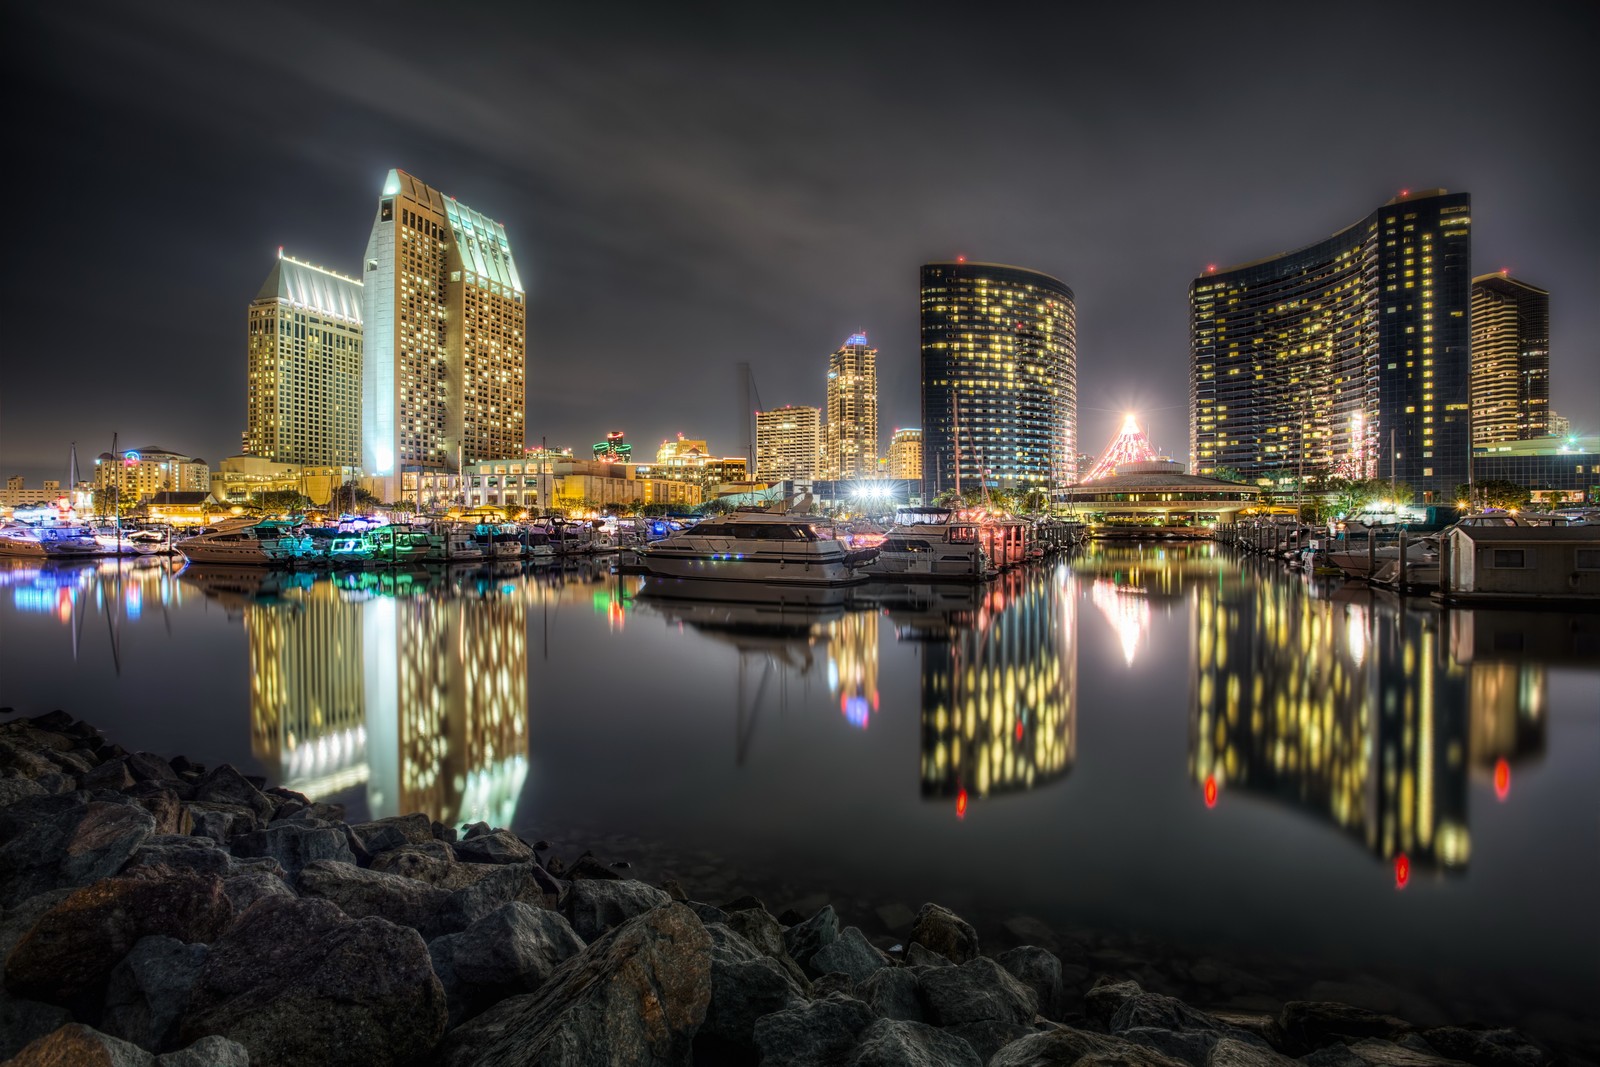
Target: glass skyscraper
(999,378)
(1510,359)
(850,438)
(444,371)
(1349,357)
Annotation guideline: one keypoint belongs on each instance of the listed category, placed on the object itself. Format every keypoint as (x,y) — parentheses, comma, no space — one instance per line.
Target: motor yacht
(757,546)
(933,543)
(250,542)
(49,542)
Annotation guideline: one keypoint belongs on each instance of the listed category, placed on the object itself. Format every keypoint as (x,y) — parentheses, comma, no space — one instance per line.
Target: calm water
(1168,741)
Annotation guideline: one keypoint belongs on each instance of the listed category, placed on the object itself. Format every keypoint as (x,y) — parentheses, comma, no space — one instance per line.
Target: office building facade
(444,367)
(1510,359)
(851,434)
(905,454)
(999,378)
(1349,357)
(303,388)
(788,443)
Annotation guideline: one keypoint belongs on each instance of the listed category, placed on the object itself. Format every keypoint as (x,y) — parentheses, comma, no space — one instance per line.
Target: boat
(394,544)
(21,541)
(1423,550)
(115,541)
(454,544)
(350,550)
(932,542)
(49,542)
(251,542)
(757,546)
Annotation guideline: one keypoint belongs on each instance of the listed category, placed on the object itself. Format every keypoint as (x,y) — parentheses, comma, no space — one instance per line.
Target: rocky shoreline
(159,912)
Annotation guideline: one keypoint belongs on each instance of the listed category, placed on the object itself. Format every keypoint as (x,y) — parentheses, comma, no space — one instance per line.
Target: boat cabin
(1521,563)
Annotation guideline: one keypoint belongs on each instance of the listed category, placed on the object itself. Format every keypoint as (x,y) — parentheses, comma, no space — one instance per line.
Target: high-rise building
(444,367)
(303,401)
(999,378)
(1510,359)
(1559,425)
(1347,357)
(788,443)
(905,454)
(137,474)
(850,448)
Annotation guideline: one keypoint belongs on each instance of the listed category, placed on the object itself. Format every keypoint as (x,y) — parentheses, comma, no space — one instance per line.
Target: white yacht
(757,546)
(48,542)
(248,541)
(931,542)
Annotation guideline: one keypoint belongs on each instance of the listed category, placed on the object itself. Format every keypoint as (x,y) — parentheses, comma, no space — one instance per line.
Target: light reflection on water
(1169,737)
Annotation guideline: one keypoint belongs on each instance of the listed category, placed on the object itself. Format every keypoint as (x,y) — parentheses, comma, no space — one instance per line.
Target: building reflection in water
(121,590)
(999,692)
(1356,710)
(409,685)
(853,665)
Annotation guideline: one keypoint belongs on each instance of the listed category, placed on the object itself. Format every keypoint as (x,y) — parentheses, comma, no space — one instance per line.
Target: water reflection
(999,692)
(414,685)
(1356,710)
(119,590)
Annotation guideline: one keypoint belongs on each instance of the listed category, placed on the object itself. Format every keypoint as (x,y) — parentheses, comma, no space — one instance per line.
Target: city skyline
(647,249)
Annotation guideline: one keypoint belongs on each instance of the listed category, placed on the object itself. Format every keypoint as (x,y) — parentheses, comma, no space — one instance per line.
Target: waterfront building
(1510,359)
(135,475)
(303,379)
(788,443)
(611,484)
(1556,469)
(905,454)
(850,435)
(239,478)
(999,378)
(17,494)
(444,364)
(1158,492)
(690,460)
(1348,357)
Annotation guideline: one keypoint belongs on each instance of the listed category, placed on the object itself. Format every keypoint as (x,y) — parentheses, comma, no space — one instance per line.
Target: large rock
(526,883)
(224,785)
(804,940)
(1105,997)
(975,991)
(1238,1052)
(65,841)
(943,931)
(14,787)
(593,906)
(635,997)
(819,1034)
(897,1043)
(757,926)
(1066,1046)
(361,893)
(164,804)
(1040,971)
(394,832)
(1487,1048)
(247,887)
(1309,1025)
(434,863)
(851,954)
(299,983)
(892,993)
(76,1045)
(746,984)
(210,1051)
(1376,1052)
(1163,1012)
(500,846)
(512,950)
(294,845)
(149,990)
(74,946)
(1193,1047)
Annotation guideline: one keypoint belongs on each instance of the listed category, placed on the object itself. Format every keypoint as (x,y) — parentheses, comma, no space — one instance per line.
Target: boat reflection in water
(413,686)
(120,590)
(1362,711)
(999,683)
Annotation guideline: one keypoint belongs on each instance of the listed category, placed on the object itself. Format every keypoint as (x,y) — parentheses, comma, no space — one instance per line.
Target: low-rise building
(241,477)
(137,474)
(542,485)
(1556,469)
(181,509)
(1159,493)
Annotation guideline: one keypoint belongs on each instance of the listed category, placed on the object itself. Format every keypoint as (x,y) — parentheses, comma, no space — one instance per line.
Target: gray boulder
(1105,997)
(1162,1012)
(637,996)
(247,887)
(1065,1046)
(360,893)
(22,1021)
(1309,1025)
(510,951)
(76,1045)
(943,931)
(819,1034)
(892,993)
(210,1051)
(524,882)
(917,956)
(65,841)
(1487,1048)
(396,831)
(498,846)
(746,984)
(804,940)
(851,954)
(977,991)
(294,845)
(1040,971)
(988,1036)
(296,982)
(593,906)
(757,926)
(14,787)
(1237,1052)
(898,1043)
(1193,1047)
(224,785)
(434,863)
(149,990)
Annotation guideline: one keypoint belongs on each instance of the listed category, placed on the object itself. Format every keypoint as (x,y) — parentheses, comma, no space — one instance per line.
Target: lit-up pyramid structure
(1129,446)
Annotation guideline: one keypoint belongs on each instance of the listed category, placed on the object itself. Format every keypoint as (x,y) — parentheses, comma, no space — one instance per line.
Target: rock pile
(160,913)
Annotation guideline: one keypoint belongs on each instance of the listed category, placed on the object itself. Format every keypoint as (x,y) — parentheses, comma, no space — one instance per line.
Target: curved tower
(999,378)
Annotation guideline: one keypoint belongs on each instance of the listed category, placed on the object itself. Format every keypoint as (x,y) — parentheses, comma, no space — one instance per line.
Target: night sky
(688,187)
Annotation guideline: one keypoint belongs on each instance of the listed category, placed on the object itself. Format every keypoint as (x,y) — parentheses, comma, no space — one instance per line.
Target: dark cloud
(686,188)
